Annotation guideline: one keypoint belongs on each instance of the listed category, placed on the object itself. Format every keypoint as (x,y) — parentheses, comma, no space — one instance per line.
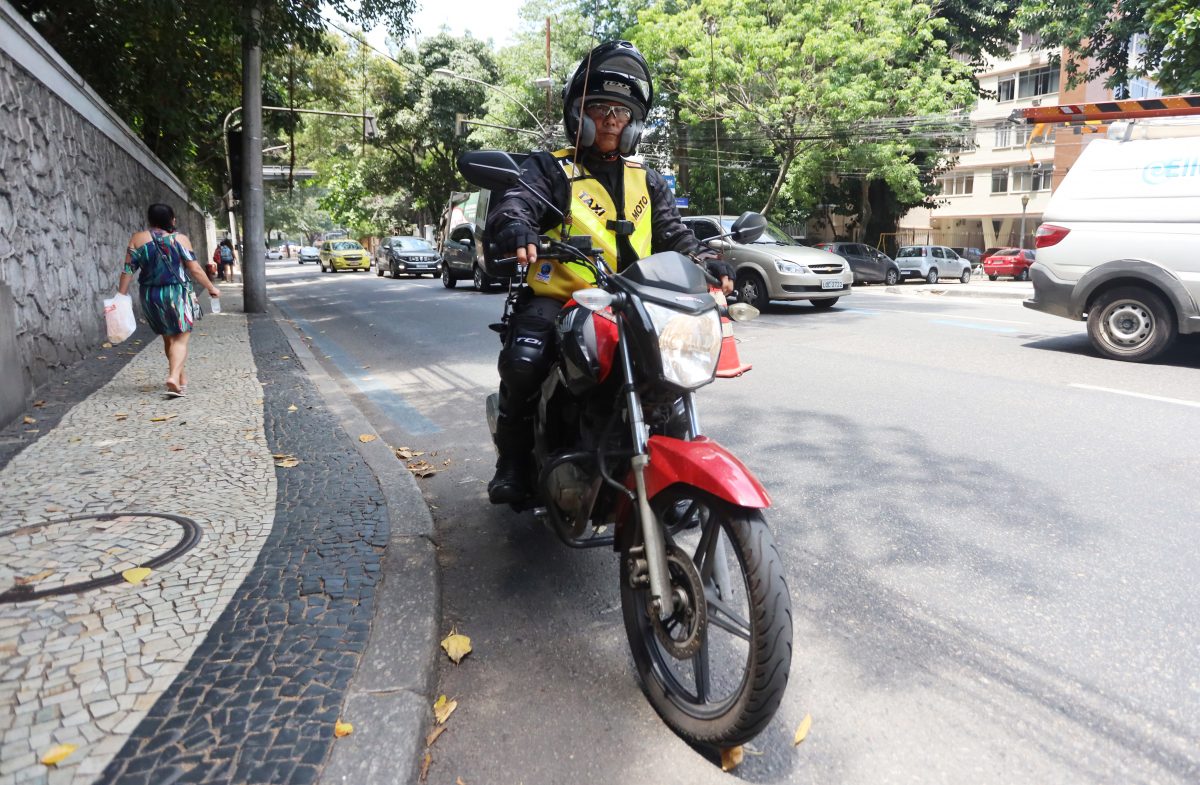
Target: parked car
(972,255)
(309,253)
(1010,261)
(462,259)
(776,267)
(932,262)
(1119,244)
(869,265)
(987,253)
(343,255)
(275,253)
(413,256)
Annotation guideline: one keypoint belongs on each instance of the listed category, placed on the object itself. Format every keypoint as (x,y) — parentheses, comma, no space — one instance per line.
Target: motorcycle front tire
(740,716)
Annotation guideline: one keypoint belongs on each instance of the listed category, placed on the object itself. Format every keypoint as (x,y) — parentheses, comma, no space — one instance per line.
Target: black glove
(515,235)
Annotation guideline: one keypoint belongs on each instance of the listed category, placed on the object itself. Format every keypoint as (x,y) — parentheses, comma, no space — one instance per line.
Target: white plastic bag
(118,317)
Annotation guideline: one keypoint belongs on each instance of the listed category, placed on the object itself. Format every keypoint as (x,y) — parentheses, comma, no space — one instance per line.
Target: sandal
(177,392)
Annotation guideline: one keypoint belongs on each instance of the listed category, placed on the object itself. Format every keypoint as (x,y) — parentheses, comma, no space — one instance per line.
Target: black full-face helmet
(614,71)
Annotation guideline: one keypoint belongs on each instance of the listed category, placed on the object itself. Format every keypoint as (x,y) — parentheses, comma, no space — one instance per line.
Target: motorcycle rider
(627,209)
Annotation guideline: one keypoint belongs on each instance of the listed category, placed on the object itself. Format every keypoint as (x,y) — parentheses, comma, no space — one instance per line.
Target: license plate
(831,284)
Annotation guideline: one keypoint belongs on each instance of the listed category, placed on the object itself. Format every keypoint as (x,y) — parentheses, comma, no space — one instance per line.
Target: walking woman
(163,260)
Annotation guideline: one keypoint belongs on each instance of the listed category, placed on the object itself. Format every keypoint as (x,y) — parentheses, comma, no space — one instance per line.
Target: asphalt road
(989,532)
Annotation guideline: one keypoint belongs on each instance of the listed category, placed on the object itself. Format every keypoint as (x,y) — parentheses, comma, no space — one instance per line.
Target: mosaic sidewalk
(230,660)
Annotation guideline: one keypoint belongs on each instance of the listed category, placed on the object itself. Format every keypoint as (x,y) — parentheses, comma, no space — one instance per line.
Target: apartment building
(995,194)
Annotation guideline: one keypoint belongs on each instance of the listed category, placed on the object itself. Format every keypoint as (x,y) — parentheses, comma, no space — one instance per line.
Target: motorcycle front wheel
(717,680)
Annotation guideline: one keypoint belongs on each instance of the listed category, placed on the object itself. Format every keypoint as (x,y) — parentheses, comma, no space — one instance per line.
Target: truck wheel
(1131,323)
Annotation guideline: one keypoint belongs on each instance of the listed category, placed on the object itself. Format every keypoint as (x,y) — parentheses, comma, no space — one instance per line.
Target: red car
(1009,261)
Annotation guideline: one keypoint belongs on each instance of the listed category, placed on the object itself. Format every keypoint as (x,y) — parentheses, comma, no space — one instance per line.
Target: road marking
(1161,399)
(969,326)
(390,402)
(863,311)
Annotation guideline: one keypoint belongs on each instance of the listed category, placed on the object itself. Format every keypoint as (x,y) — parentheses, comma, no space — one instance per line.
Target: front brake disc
(682,633)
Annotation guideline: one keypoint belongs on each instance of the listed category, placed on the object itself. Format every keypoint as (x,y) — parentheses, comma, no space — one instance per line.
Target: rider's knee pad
(526,358)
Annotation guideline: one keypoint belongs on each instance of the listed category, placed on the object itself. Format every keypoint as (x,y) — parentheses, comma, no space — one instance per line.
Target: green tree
(811,80)
(417,119)
(172,68)
(1101,39)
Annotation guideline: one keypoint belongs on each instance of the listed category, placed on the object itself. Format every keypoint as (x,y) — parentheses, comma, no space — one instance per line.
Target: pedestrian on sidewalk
(163,259)
(225,257)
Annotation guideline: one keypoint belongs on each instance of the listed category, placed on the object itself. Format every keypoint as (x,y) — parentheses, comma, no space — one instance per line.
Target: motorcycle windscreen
(668,270)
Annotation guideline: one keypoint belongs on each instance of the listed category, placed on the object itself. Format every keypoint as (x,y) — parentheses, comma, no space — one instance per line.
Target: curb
(389,697)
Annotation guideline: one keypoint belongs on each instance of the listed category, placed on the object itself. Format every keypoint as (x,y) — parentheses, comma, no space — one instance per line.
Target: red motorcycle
(622,462)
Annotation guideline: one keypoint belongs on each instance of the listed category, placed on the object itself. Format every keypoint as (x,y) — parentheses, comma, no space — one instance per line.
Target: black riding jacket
(544,174)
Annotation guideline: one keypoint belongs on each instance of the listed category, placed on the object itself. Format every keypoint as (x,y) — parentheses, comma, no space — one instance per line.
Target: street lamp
(446,72)
(1024,204)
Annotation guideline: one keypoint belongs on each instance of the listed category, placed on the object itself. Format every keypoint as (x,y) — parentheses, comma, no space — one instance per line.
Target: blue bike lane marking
(390,402)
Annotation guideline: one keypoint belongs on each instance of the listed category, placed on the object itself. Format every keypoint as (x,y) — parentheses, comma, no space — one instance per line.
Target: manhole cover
(85,552)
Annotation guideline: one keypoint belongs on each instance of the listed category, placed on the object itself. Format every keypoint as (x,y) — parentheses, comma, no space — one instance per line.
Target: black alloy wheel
(716,669)
(752,289)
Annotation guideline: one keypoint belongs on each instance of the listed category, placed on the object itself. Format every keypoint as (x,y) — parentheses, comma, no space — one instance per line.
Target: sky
(495,19)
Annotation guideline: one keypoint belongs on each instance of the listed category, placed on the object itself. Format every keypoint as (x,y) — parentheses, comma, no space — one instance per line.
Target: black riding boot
(512,482)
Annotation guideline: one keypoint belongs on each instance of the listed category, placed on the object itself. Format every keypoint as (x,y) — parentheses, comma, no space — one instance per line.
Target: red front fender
(703,464)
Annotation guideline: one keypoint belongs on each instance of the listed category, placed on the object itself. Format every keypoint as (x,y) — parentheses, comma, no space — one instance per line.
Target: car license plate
(831,284)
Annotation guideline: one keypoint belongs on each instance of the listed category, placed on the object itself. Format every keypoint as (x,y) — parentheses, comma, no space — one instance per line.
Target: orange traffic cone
(729,365)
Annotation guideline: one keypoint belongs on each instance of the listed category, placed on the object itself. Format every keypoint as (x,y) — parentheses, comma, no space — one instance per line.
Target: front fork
(652,534)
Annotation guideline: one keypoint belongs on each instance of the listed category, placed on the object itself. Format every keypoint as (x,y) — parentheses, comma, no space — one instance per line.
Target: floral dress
(163,284)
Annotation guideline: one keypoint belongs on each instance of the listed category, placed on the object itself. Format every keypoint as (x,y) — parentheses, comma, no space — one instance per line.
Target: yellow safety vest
(591,209)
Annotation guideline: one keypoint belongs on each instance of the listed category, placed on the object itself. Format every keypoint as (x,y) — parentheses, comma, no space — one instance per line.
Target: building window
(1020,179)
(957,184)
(1000,181)
(1039,81)
(1143,88)
(1005,88)
(1003,136)
(1041,179)
(1029,41)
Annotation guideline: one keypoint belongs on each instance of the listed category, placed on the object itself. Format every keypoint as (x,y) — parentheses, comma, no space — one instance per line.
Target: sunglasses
(604,111)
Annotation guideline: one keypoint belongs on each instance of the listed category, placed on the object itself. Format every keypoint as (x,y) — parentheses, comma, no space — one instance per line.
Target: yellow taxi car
(343,255)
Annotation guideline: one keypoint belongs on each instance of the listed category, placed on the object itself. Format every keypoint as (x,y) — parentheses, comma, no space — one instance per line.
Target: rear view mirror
(494,170)
(748,227)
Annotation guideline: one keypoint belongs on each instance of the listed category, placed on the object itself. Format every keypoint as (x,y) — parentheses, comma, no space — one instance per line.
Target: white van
(1120,240)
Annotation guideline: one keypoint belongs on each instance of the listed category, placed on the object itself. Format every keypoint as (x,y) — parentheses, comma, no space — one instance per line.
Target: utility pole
(710,26)
(254,268)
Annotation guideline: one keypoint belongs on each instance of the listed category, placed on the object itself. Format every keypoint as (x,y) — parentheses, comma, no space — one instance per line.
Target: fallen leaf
(136,575)
(403,453)
(802,731)
(731,758)
(176,448)
(106,345)
(29,421)
(249,437)
(101,357)
(446,462)
(121,415)
(425,763)
(38,404)
(456,646)
(458,781)
(163,418)
(341,729)
(287,463)
(33,578)
(286,357)
(57,754)
(367,437)
(433,735)
(292,408)
(443,708)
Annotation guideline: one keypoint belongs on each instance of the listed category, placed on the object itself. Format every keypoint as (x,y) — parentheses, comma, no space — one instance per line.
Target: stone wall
(74,184)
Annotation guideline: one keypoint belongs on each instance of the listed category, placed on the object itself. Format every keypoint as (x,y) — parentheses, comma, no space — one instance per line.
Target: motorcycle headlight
(688,344)
(790,267)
